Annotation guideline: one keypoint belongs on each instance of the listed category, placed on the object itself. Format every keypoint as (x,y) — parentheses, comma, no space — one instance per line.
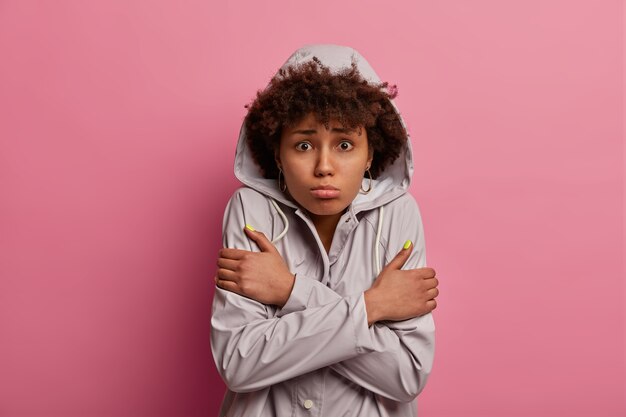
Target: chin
(326,207)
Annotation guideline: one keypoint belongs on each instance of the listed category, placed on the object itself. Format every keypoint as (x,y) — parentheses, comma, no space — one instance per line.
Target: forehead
(311,122)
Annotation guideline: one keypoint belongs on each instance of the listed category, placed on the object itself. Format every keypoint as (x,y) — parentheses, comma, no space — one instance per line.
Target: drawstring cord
(378,230)
(282,215)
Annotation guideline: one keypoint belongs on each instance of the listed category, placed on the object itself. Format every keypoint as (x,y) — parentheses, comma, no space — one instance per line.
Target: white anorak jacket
(316,356)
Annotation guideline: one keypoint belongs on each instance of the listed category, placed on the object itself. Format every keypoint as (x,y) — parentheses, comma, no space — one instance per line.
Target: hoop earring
(370,183)
(280,173)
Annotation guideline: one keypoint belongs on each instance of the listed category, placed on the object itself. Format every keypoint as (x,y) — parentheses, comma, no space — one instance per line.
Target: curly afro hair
(344,96)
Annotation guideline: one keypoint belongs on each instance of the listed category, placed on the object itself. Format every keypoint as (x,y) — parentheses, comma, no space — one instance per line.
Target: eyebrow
(313,131)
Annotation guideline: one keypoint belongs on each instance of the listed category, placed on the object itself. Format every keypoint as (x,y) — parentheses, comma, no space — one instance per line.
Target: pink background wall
(118,122)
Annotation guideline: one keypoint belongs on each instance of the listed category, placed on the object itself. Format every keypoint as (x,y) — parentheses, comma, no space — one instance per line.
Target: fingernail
(250,227)
(407,244)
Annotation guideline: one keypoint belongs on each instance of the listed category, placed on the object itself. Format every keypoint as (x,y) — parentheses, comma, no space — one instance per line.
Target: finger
(228,286)
(226,263)
(431,282)
(428,272)
(398,261)
(431,304)
(232,253)
(432,293)
(227,275)
(259,238)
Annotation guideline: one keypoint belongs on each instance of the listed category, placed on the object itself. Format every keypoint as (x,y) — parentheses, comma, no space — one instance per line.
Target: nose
(324,165)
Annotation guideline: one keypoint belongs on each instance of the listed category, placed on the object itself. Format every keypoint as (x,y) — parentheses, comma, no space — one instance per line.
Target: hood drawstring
(381,211)
(282,216)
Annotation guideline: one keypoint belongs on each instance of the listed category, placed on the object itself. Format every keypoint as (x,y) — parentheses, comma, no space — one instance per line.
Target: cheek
(355,167)
(294,169)
(356,181)
(295,176)
(353,175)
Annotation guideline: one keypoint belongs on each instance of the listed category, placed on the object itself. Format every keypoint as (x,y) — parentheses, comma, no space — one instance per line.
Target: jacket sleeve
(253,349)
(401,359)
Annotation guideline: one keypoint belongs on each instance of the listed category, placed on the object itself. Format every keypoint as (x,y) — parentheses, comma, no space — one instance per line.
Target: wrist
(372,306)
(289,281)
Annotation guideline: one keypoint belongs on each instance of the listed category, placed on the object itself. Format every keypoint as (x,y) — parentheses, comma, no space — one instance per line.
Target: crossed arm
(254,350)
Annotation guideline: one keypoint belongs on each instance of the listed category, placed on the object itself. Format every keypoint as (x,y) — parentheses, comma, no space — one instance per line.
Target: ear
(370,158)
(277,159)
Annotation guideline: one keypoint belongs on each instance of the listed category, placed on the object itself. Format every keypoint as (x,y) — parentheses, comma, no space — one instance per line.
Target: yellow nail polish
(250,227)
(407,244)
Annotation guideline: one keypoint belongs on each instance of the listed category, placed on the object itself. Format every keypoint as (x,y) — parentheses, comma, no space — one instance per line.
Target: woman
(323,301)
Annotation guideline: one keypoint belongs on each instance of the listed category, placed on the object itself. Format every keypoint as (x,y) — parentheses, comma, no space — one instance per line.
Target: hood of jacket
(392,182)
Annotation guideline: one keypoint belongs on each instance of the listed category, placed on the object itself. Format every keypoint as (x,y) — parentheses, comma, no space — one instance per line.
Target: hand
(262,276)
(401,294)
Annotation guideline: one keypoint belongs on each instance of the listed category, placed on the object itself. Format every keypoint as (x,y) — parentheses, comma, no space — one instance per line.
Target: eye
(345,145)
(303,146)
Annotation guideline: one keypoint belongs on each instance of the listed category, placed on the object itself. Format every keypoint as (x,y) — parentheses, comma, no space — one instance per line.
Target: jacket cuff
(362,332)
(298,298)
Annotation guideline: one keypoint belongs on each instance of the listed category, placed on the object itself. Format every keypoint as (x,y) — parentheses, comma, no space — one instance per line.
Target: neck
(325,226)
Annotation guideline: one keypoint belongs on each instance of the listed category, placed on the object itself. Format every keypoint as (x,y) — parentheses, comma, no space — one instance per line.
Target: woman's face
(323,169)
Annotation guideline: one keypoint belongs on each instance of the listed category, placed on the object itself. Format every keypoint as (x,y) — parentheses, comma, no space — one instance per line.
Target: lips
(325,192)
